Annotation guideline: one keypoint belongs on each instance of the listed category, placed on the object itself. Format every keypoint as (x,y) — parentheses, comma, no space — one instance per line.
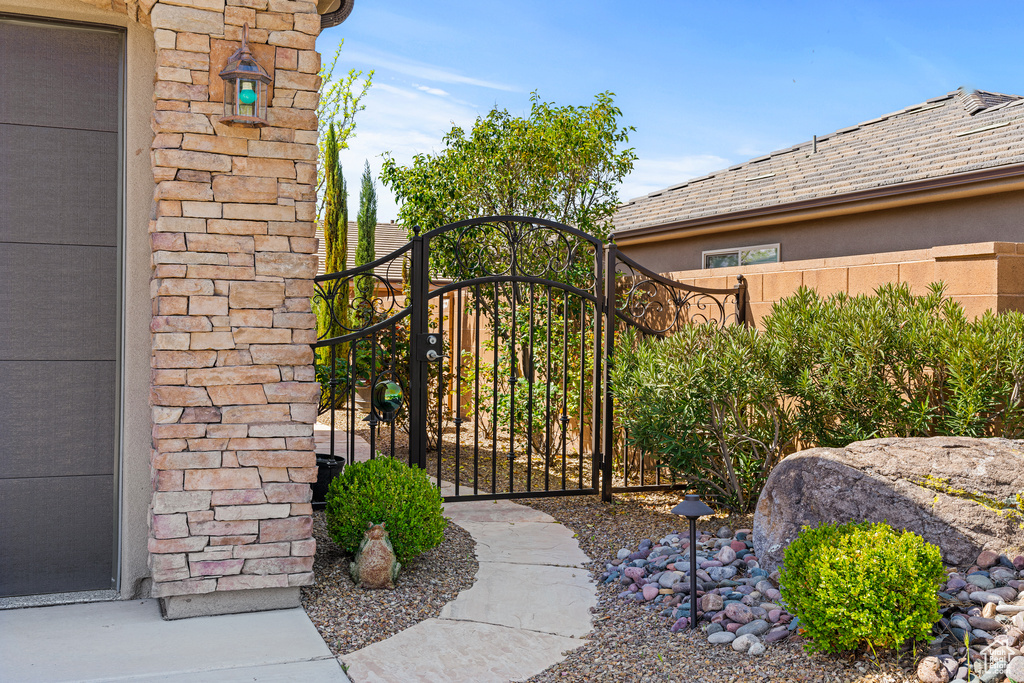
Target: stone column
(233,388)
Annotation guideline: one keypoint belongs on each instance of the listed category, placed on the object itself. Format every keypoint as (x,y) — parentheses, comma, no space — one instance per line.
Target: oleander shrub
(704,403)
(896,364)
(860,585)
(721,407)
(385,490)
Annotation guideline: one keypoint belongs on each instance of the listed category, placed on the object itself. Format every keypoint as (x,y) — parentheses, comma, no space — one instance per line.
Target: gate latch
(431,342)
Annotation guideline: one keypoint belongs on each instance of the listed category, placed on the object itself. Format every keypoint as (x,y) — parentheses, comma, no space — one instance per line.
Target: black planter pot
(327,468)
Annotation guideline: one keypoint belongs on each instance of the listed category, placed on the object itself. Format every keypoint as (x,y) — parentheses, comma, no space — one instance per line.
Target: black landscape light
(692,508)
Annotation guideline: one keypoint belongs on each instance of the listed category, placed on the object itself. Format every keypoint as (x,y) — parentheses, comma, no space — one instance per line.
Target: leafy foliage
(336,245)
(704,401)
(385,490)
(721,408)
(854,585)
(340,101)
(894,364)
(560,163)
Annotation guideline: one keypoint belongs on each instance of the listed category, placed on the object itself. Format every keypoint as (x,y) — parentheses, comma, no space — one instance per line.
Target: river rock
(1015,670)
(739,612)
(931,670)
(711,602)
(721,638)
(757,627)
(743,643)
(899,481)
(669,579)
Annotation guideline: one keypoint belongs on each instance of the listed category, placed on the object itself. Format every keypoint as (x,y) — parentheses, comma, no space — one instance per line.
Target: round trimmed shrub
(385,490)
(861,584)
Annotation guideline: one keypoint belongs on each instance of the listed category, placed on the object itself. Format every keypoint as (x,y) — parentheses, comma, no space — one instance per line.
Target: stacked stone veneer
(233,391)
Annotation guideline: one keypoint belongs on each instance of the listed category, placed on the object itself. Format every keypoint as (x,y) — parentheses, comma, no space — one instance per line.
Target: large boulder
(947,489)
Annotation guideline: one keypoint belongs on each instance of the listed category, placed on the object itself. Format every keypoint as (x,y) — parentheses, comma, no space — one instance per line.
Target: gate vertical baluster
(458,387)
(332,384)
(476,393)
(528,365)
(565,377)
(372,382)
(419,275)
(440,387)
(494,398)
(512,362)
(582,424)
(394,362)
(547,402)
(350,405)
(600,312)
(609,345)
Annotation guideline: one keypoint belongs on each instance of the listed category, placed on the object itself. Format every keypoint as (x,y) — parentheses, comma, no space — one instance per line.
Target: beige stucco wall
(989,218)
(140,65)
(981,276)
(219,254)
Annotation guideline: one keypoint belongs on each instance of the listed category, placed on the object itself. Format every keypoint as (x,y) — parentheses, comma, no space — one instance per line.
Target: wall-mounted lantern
(245,87)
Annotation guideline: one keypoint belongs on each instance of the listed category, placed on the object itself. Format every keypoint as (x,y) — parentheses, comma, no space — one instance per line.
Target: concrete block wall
(981,276)
(233,390)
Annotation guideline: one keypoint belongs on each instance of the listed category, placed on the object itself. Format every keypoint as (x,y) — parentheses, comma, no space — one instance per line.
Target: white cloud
(650,175)
(431,91)
(405,122)
(377,59)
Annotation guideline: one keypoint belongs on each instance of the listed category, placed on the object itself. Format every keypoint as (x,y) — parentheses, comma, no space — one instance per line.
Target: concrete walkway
(129,641)
(530,603)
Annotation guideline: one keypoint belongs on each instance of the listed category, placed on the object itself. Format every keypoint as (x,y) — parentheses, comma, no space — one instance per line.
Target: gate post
(419,276)
(608,406)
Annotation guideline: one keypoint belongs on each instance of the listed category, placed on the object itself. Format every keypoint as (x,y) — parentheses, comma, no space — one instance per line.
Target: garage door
(60,128)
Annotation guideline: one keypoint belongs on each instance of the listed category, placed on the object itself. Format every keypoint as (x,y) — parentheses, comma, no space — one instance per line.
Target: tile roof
(388,237)
(958,132)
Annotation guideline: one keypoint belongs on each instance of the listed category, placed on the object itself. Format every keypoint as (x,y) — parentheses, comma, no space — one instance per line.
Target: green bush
(385,490)
(895,364)
(861,584)
(704,402)
(721,407)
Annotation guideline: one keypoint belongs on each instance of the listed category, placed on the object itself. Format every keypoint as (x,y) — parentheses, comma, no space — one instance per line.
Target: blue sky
(706,85)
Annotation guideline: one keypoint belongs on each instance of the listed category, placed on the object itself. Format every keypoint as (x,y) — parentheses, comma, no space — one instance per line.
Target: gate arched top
(513,246)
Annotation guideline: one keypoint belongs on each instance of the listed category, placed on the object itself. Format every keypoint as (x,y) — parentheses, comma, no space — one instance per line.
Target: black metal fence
(498,332)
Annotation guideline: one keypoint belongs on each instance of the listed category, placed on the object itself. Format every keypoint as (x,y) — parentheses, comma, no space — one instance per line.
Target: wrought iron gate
(498,334)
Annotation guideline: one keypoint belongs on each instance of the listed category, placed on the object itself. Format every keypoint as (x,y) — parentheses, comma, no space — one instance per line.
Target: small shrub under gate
(861,584)
(385,490)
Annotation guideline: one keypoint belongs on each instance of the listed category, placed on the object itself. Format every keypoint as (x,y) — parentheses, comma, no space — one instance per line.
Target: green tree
(340,101)
(560,162)
(336,241)
(366,222)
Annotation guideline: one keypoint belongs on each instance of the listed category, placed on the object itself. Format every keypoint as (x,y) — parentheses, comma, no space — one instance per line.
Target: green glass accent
(247,96)
(387,397)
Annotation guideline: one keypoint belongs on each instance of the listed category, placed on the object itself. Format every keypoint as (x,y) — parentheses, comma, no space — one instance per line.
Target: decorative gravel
(351,618)
(631,642)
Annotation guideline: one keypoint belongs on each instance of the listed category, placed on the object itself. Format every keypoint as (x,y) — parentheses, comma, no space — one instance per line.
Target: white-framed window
(741,256)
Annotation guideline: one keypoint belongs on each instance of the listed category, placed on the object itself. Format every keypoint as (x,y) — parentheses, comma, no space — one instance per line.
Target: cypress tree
(335,239)
(366,221)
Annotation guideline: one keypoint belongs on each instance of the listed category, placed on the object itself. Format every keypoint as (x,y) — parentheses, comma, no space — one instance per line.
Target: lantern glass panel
(229,98)
(247,96)
(262,101)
